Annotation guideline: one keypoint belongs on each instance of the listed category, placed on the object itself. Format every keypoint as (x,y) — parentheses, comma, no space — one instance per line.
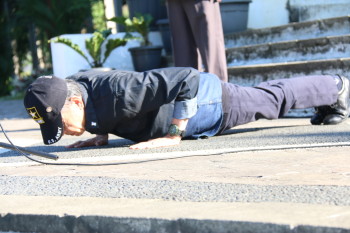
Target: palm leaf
(70,44)
(93,45)
(111,45)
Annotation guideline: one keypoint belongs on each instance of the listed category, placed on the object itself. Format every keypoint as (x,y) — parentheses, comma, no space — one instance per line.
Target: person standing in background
(198,36)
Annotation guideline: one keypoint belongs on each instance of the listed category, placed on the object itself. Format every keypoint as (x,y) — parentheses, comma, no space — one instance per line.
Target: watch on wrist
(175,131)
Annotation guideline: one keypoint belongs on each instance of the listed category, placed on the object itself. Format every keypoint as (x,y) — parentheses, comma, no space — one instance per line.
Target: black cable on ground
(224,151)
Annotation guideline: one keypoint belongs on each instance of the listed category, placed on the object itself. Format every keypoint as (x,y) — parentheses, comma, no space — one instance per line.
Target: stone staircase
(314,47)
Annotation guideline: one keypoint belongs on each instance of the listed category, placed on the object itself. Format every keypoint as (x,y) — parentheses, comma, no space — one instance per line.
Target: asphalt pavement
(280,175)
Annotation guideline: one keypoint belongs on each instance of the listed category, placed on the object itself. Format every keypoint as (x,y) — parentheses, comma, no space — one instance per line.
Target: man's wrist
(174,130)
(181,123)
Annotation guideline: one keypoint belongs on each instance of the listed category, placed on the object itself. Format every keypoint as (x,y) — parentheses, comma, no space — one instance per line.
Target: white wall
(321,9)
(318,2)
(267,13)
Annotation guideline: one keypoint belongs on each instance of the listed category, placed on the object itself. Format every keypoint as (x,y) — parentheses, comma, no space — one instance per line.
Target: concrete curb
(96,224)
(85,214)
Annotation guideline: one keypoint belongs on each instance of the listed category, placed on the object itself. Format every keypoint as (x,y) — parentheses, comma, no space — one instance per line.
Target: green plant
(57,17)
(94,46)
(139,23)
(6,55)
(41,20)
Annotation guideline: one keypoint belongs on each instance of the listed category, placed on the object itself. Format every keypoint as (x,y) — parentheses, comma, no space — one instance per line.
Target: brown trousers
(196,29)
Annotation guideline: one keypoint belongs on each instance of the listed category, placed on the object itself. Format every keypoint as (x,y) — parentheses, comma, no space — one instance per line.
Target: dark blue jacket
(135,105)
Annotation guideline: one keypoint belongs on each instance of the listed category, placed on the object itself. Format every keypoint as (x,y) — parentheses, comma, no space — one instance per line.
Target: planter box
(146,57)
(66,61)
(234,14)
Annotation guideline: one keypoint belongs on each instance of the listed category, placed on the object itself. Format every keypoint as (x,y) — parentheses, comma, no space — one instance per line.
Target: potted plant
(94,47)
(146,56)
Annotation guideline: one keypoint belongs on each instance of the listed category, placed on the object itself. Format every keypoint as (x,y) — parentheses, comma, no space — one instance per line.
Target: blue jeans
(208,118)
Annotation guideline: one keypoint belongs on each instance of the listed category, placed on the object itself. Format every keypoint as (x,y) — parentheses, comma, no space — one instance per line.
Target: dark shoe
(320,114)
(340,110)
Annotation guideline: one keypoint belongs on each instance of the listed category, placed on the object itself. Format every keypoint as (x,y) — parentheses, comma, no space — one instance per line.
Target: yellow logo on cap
(35,115)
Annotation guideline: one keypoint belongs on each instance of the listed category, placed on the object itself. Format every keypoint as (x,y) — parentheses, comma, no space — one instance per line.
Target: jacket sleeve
(185,109)
(150,90)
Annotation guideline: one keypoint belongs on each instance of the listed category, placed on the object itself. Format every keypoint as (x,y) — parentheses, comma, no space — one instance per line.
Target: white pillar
(110,13)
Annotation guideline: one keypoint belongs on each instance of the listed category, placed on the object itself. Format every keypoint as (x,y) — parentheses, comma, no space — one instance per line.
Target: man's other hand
(158,142)
(99,140)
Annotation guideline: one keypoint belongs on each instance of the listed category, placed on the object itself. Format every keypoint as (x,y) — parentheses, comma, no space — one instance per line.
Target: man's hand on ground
(158,142)
(99,140)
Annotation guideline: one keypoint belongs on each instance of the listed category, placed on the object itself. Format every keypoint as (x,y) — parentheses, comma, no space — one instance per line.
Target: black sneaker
(320,114)
(339,111)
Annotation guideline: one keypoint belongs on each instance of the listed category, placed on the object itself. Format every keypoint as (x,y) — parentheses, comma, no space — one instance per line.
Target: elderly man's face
(73,117)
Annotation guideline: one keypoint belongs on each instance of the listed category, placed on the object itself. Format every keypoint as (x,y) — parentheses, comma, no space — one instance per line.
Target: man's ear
(78,100)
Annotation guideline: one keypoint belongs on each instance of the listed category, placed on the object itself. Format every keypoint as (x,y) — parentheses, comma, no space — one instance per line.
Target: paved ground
(268,176)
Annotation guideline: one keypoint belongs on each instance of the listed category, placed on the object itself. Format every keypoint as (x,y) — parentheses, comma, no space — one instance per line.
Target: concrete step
(293,31)
(251,75)
(290,51)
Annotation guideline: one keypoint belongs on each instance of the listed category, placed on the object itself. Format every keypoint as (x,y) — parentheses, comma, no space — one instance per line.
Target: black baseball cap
(44,100)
